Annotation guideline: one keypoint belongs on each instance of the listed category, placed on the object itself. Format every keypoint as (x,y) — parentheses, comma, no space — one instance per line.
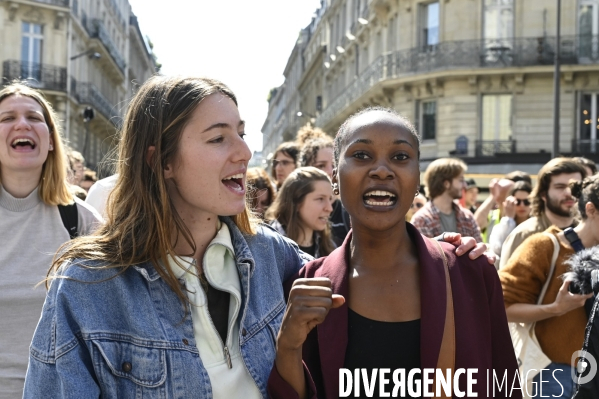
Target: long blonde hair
(140,215)
(53,187)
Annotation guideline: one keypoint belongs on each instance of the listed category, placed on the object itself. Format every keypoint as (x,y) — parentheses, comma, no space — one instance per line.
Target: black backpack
(70,218)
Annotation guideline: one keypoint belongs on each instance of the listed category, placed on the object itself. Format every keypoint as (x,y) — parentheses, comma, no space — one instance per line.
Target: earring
(335,189)
(417,192)
(51,147)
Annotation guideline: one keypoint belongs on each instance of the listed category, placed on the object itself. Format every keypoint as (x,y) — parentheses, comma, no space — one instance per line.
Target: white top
(30,234)
(98,193)
(500,232)
(228,380)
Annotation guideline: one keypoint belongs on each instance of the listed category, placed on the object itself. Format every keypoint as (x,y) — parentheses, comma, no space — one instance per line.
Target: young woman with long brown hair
(302,209)
(166,289)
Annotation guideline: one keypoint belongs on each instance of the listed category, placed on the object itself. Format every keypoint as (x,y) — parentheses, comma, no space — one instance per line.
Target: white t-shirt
(98,193)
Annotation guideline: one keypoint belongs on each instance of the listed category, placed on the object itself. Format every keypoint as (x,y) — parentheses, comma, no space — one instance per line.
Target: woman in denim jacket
(180,293)
(179,241)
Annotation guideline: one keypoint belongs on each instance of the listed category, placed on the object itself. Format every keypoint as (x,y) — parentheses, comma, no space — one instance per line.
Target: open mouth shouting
(235,183)
(23,143)
(380,198)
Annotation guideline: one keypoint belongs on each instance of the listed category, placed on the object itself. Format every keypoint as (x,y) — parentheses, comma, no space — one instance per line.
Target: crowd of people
(266,282)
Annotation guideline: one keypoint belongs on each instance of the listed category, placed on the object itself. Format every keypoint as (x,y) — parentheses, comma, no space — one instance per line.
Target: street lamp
(301,114)
(88,115)
(92,54)
(556,82)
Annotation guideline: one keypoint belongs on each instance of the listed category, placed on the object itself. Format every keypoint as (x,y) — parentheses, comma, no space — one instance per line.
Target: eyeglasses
(282,162)
(417,205)
(524,201)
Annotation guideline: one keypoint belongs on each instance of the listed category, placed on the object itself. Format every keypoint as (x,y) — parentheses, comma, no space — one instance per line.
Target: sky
(243,43)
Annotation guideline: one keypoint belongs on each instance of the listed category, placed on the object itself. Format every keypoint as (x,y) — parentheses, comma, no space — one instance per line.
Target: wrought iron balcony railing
(585,146)
(87,93)
(467,54)
(95,28)
(489,148)
(60,3)
(41,76)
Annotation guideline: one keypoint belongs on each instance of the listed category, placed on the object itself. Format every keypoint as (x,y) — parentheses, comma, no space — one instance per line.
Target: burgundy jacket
(482,336)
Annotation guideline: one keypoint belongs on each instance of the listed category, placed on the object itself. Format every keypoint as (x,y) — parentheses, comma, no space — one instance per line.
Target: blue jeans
(549,381)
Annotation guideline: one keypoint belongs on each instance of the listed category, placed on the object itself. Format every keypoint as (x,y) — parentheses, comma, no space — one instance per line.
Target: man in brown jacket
(560,318)
(552,204)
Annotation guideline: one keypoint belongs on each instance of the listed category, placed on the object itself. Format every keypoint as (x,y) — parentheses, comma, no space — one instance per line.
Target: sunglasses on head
(523,201)
(417,205)
(283,162)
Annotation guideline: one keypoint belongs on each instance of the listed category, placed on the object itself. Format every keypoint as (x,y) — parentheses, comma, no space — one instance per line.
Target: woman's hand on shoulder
(310,300)
(465,244)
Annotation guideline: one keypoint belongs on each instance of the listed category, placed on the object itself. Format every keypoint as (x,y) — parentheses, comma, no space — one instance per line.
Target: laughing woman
(389,297)
(33,194)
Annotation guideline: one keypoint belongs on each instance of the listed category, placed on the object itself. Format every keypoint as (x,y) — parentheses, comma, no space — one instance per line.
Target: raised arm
(310,300)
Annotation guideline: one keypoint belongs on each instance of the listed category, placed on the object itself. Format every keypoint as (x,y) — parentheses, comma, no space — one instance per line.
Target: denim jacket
(125,336)
(278,227)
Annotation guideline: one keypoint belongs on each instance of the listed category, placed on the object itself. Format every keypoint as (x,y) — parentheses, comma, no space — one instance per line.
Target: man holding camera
(560,317)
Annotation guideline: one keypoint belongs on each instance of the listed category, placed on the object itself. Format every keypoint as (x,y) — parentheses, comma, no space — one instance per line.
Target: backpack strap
(551,269)
(70,218)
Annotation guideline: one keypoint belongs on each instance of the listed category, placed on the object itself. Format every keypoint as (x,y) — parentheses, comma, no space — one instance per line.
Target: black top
(378,344)
(218,307)
(311,249)
(339,222)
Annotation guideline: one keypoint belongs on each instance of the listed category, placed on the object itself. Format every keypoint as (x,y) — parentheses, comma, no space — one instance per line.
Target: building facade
(474,76)
(81,54)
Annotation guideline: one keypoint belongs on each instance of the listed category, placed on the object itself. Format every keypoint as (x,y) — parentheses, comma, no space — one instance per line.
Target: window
(429,25)
(588,28)
(498,20)
(31,51)
(427,119)
(588,122)
(497,117)
(391,34)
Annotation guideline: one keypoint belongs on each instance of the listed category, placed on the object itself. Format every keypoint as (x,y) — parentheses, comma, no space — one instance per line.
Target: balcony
(40,76)
(585,147)
(59,3)
(467,54)
(95,29)
(491,148)
(87,93)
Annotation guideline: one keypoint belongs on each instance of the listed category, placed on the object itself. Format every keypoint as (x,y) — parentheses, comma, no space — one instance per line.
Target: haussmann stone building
(475,76)
(81,54)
